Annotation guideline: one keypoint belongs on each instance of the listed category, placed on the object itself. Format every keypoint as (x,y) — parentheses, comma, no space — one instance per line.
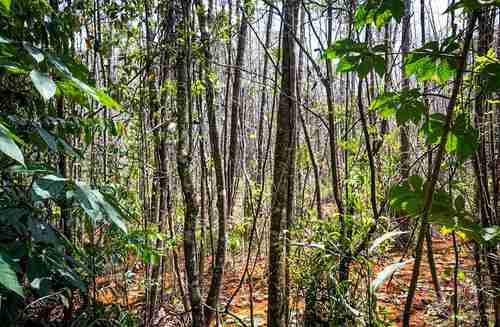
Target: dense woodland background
(249,163)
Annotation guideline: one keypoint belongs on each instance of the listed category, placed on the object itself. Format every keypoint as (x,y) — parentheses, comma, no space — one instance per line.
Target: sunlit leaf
(383,238)
(8,146)
(43,83)
(34,52)
(6,4)
(8,277)
(47,187)
(378,12)
(386,273)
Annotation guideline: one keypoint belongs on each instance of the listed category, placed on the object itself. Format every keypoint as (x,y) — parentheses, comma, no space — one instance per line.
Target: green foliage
(406,105)
(378,12)
(470,5)
(434,61)
(445,211)
(462,140)
(356,57)
(36,260)
(8,146)
(8,278)
(13,61)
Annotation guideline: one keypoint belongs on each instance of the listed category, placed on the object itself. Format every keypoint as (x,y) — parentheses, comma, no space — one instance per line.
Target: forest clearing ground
(427,311)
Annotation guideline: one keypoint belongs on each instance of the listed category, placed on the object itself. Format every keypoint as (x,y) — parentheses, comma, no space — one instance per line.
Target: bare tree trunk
(235,107)
(404,150)
(191,205)
(218,269)
(283,172)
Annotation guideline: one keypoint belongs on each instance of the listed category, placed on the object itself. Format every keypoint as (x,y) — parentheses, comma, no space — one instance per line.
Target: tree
(284,157)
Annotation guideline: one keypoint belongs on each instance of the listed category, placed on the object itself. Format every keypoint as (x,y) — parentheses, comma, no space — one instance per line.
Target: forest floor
(427,310)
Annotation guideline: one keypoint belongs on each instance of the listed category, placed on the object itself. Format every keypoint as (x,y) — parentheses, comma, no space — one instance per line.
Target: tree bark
(191,206)
(283,172)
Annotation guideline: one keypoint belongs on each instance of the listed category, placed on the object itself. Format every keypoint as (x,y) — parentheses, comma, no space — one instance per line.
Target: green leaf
(106,100)
(13,69)
(8,277)
(433,62)
(34,52)
(41,232)
(48,138)
(433,128)
(5,40)
(378,12)
(8,146)
(416,182)
(386,273)
(6,4)
(47,187)
(96,206)
(463,138)
(406,105)
(357,57)
(451,143)
(471,5)
(43,83)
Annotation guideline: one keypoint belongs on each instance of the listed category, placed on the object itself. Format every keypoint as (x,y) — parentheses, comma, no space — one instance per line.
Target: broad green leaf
(386,273)
(13,69)
(106,100)
(96,206)
(6,4)
(416,182)
(470,5)
(406,105)
(48,138)
(34,52)
(8,146)
(41,232)
(451,143)
(111,212)
(47,187)
(357,57)
(98,95)
(378,12)
(60,66)
(4,39)
(433,62)
(88,201)
(43,83)
(31,169)
(41,285)
(433,128)
(463,139)
(8,277)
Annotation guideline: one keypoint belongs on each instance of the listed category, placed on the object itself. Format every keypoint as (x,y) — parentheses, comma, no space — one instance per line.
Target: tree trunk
(191,206)
(283,172)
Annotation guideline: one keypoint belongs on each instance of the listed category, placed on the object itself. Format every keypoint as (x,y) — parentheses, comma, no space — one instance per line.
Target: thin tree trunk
(218,268)
(191,206)
(235,108)
(283,172)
